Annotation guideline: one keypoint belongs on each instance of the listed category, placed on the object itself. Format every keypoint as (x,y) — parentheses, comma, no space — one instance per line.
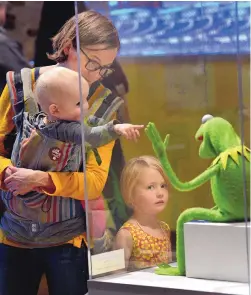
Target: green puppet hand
(159,146)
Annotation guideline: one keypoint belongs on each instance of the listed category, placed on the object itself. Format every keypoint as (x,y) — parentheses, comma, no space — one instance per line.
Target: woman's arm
(67,184)
(6,126)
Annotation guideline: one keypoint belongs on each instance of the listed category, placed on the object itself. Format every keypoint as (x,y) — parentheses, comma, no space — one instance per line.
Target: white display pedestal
(145,282)
(217,251)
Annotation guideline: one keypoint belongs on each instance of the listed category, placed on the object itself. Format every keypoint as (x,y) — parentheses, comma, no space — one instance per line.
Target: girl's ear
(131,204)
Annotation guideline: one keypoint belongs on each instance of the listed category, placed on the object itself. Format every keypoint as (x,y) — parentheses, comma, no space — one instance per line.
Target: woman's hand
(8,172)
(21,181)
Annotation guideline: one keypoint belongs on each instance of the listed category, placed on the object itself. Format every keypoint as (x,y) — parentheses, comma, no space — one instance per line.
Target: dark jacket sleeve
(11,59)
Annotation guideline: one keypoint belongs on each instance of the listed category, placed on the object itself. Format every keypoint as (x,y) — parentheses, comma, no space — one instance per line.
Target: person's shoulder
(4,38)
(124,234)
(129,225)
(7,43)
(19,72)
(37,70)
(165,226)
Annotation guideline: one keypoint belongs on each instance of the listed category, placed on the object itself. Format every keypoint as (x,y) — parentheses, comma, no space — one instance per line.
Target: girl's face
(150,194)
(93,57)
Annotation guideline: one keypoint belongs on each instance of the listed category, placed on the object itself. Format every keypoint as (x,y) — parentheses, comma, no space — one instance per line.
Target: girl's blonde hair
(132,171)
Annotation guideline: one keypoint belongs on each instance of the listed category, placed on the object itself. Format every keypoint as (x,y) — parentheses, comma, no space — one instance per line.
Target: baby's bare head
(57,93)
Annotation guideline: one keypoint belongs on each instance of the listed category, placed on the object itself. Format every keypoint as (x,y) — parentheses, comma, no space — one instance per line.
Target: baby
(57,93)
(145,239)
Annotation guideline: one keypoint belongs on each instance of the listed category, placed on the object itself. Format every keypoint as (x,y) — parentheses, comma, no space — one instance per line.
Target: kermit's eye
(206,118)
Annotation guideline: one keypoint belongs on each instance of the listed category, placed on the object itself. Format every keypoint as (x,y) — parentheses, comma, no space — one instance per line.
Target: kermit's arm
(160,150)
(192,184)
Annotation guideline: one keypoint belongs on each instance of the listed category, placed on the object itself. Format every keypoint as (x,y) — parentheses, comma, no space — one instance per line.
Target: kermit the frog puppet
(229,185)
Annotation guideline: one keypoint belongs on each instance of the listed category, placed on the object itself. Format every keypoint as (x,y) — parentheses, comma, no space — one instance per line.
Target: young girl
(145,239)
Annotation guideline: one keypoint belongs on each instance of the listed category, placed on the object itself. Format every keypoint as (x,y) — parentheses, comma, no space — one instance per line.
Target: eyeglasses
(93,65)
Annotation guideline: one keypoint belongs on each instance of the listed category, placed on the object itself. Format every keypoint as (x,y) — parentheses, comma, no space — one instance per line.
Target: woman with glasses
(27,233)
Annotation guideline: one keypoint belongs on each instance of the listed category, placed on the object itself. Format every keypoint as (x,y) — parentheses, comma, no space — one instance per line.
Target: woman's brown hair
(94,29)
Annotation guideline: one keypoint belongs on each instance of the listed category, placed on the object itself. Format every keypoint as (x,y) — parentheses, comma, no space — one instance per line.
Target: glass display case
(188,68)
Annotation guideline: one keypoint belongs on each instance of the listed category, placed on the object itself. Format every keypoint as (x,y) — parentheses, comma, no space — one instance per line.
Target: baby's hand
(131,132)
